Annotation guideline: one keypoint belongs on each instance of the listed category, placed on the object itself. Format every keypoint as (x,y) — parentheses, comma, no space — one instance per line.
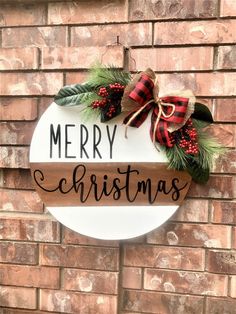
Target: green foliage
(197,173)
(209,149)
(73,95)
(89,114)
(202,113)
(177,157)
(198,166)
(104,75)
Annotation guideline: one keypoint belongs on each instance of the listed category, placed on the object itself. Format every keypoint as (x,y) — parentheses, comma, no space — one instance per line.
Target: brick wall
(186,266)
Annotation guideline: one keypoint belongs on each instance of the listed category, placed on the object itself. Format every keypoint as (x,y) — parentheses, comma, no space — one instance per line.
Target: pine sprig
(101,75)
(209,149)
(89,114)
(177,157)
(200,165)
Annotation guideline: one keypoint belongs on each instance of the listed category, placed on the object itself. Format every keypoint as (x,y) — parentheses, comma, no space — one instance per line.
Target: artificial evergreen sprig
(198,165)
(103,76)
(102,92)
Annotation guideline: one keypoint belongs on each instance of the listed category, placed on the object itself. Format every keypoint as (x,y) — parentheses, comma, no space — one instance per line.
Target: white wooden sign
(99,183)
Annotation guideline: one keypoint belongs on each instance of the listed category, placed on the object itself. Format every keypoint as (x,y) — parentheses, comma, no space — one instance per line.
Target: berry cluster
(99,103)
(103,92)
(111,111)
(110,100)
(117,87)
(187,138)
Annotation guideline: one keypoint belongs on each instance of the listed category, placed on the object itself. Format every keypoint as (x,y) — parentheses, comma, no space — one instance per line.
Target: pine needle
(101,75)
(89,114)
(209,150)
(177,157)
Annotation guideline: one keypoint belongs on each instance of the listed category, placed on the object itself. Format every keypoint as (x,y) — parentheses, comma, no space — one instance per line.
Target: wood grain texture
(109,184)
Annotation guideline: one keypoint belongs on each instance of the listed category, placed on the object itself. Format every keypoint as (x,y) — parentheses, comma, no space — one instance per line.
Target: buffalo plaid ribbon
(143,95)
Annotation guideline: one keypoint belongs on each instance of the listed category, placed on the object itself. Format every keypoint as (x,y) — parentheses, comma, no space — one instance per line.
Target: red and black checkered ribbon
(143,93)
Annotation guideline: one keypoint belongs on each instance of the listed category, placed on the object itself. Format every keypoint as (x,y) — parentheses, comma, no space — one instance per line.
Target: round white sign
(99,183)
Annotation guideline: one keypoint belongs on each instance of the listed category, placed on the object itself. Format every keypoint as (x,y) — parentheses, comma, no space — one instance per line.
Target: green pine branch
(101,75)
(200,165)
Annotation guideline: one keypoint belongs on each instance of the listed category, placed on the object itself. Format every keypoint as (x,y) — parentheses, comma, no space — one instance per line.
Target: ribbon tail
(136,118)
(159,132)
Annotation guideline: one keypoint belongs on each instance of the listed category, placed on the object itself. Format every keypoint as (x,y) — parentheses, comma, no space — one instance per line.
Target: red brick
(72,237)
(132,277)
(35,229)
(29,276)
(90,281)
(227,8)
(30,83)
(14,157)
(18,297)
(197,32)
(223,212)
(20,201)
(224,133)
(19,133)
(170,9)
(18,253)
(164,257)
(13,311)
(15,178)
(23,14)
(74,302)
(18,58)
(100,258)
(234,238)
(172,59)
(90,11)
(185,282)
(225,110)
(160,303)
(217,187)
(18,109)
(121,312)
(225,163)
(137,34)
(81,58)
(233,288)
(226,57)
(34,36)
(76,77)
(202,84)
(44,103)
(220,305)
(221,262)
(192,211)
(191,235)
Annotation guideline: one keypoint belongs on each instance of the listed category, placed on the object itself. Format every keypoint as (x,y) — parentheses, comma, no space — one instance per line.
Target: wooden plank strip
(109,184)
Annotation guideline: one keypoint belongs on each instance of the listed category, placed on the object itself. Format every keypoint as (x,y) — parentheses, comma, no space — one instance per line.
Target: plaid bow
(143,95)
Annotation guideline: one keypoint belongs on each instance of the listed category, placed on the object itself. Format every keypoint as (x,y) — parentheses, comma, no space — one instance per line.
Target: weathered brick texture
(197,32)
(188,265)
(29,276)
(171,9)
(79,256)
(90,281)
(164,257)
(18,109)
(19,253)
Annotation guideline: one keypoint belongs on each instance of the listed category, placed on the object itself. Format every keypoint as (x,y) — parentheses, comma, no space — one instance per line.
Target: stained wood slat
(110,184)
